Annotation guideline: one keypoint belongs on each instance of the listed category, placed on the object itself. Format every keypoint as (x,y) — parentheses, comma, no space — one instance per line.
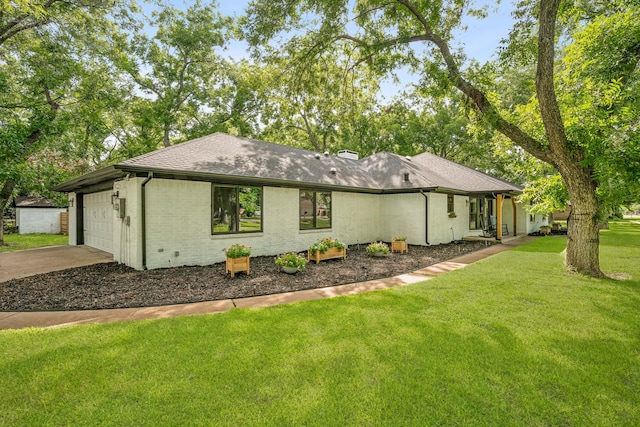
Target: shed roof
(223,157)
(32,202)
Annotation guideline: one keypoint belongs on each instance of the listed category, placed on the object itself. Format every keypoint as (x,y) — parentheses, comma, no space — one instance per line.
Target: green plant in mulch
(291,259)
(378,248)
(400,239)
(325,244)
(237,251)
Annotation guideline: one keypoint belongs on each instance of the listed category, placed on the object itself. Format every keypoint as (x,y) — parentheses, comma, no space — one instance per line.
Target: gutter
(426,218)
(143,213)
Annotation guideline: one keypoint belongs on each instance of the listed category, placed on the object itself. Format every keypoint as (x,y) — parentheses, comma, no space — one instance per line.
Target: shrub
(237,251)
(378,248)
(291,259)
(323,245)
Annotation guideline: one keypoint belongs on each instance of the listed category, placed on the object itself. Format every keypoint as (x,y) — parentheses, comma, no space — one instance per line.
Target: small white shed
(37,215)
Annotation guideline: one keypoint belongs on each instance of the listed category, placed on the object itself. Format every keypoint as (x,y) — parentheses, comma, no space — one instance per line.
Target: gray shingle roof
(32,202)
(225,156)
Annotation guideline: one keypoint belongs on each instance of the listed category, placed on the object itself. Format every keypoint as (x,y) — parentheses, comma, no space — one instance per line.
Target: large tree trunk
(583,230)
(583,233)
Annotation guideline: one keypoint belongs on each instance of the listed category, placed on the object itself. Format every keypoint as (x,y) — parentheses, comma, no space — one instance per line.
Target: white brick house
(183,204)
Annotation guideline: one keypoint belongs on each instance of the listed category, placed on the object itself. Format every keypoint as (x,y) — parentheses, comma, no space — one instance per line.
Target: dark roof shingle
(221,155)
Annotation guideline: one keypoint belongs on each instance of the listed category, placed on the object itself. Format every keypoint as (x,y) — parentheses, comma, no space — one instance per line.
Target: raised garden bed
(331,253)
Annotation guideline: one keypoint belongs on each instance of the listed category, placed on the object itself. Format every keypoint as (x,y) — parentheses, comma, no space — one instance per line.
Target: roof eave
(90,179)
(239,179)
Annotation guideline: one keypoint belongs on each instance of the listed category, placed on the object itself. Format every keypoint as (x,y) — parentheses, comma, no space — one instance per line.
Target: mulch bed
(112,285)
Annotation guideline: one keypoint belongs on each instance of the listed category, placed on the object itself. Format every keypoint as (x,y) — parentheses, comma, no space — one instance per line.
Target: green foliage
(377,248)
(602,99)
(57,91)
(176,69)
(545,195)
(237,251)
(291,259)
(325,244)
(400,239)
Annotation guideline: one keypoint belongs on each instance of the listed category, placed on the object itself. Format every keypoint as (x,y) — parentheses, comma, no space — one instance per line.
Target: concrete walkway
(17,320)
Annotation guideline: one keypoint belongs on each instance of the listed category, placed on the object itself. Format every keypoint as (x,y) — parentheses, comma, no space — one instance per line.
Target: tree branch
(549,110)
(18,25)
(480,101)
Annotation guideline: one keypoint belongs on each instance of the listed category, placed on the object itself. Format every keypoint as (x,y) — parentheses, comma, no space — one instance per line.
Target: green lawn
(17,242)
(512,340)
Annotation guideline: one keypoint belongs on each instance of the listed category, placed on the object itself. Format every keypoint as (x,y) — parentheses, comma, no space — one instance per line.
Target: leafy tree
(418,34)
(318,107)
(53,87)
(435,122)
(236,106)
(174,70)
(545,195)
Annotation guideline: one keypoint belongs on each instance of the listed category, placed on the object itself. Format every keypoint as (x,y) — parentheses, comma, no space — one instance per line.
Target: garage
(98,221)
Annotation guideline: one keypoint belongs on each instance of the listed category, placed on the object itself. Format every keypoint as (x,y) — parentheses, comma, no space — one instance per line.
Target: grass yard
(511,340)
(18,242)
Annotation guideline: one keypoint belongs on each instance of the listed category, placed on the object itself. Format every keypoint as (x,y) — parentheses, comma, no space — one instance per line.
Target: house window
(476,206)
(315,209)
(532,217)
(450,206)
(236,209)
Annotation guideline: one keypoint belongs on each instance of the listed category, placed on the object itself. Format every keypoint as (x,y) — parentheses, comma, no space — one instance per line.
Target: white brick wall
(188,231)
(179,222)
(127,231)
(403,215)
(443,229)
(73,219)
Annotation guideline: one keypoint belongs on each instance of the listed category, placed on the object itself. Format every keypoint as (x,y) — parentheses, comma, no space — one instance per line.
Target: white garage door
(98,221)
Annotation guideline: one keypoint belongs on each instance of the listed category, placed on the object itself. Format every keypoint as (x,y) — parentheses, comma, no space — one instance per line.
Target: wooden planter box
(235,265)
(318,256)
(401,247)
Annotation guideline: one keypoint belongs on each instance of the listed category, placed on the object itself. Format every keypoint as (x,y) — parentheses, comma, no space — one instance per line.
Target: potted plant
(237,259)
(327,248)
(452,214)
(378,249)
(291,262)
(545,229)
(399,244)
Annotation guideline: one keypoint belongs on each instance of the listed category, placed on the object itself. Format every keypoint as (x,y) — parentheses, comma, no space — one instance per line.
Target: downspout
(143,214)
(426,218)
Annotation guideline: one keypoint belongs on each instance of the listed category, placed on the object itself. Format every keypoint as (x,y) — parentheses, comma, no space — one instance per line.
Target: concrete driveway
(18,264)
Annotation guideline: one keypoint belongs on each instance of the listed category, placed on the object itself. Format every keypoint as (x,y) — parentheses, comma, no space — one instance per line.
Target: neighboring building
(37,215)
(183,204)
